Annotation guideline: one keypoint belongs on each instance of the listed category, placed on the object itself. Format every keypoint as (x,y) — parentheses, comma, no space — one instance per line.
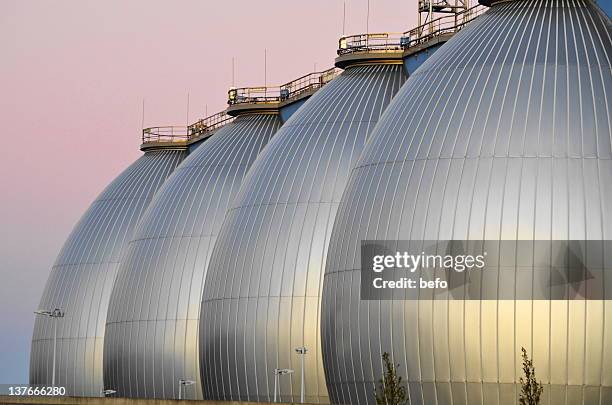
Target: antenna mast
(233,72)
(344,18)
(187,124)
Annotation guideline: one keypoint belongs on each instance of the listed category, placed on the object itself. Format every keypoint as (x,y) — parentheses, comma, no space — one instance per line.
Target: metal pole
(302,352)
(54,320)
(265,70)
(456,12)
(302,387)
(143,113)
(344,18)
(183,383)
(275,384)
(368,19)
(187,109)
(430,16)
(54,315)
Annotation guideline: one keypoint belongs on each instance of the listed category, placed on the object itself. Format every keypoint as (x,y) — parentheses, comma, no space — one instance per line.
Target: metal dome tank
(502,135)
(151,339)
(83,274)
(262,292)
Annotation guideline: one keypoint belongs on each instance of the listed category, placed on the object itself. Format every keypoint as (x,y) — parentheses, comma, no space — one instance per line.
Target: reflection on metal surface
(502,134)
(262,292)
(83,274)
(151,336)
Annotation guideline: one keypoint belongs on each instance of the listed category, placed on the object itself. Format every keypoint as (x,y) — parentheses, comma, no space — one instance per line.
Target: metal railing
(181,134)
(393,41)
(253,95)
(306,83)
(167,134)
(442,6)
(206,125)
(284,92)
(448,24)
(376,42)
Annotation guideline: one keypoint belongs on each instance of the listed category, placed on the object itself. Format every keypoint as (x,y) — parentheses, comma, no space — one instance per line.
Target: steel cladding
(152,330)
(262,293)
(503,134)
(82,277)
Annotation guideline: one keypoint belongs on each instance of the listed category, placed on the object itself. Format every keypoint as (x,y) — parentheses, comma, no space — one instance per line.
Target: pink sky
(72,78)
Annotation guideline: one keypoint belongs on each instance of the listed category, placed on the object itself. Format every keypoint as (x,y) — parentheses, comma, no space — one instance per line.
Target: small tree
(531,389)
(391,391)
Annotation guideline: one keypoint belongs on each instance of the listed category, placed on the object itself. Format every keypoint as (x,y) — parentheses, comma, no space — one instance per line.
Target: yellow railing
(311,81)
(372,42)
(394,41)
(181,134)
(166,134)
(253,95)
(448,24)
(208,124)
(284,92)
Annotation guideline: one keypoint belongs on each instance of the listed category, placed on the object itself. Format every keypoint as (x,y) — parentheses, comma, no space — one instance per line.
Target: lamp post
(278,372)
(302,352)
(54,315)
(104,393)
(182,383)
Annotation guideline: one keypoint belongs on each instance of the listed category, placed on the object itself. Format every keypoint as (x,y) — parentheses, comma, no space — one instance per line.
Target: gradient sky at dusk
(72,78)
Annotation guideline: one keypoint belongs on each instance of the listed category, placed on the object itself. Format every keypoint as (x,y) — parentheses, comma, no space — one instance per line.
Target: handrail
(181,134)
(442,25)
(394,41)
(253,95)
(310,81)
(208,124)
(371,42)
(284,92)
(165,134)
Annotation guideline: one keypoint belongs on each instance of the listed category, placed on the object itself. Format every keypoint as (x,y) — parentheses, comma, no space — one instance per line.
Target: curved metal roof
(502,134)
(261,298)
(151,332)
(83,274)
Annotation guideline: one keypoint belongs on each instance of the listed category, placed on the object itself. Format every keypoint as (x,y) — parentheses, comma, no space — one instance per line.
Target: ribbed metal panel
(82,277)
(262,293)
(503,134)
(152,329)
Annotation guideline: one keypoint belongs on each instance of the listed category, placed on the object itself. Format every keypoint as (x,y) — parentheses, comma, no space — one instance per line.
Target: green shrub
(531,389)
(391,390)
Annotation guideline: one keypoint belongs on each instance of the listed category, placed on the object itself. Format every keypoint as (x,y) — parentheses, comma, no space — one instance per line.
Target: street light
(302,351)
(54,315)
(104,393)
(278,372)
(183,382)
